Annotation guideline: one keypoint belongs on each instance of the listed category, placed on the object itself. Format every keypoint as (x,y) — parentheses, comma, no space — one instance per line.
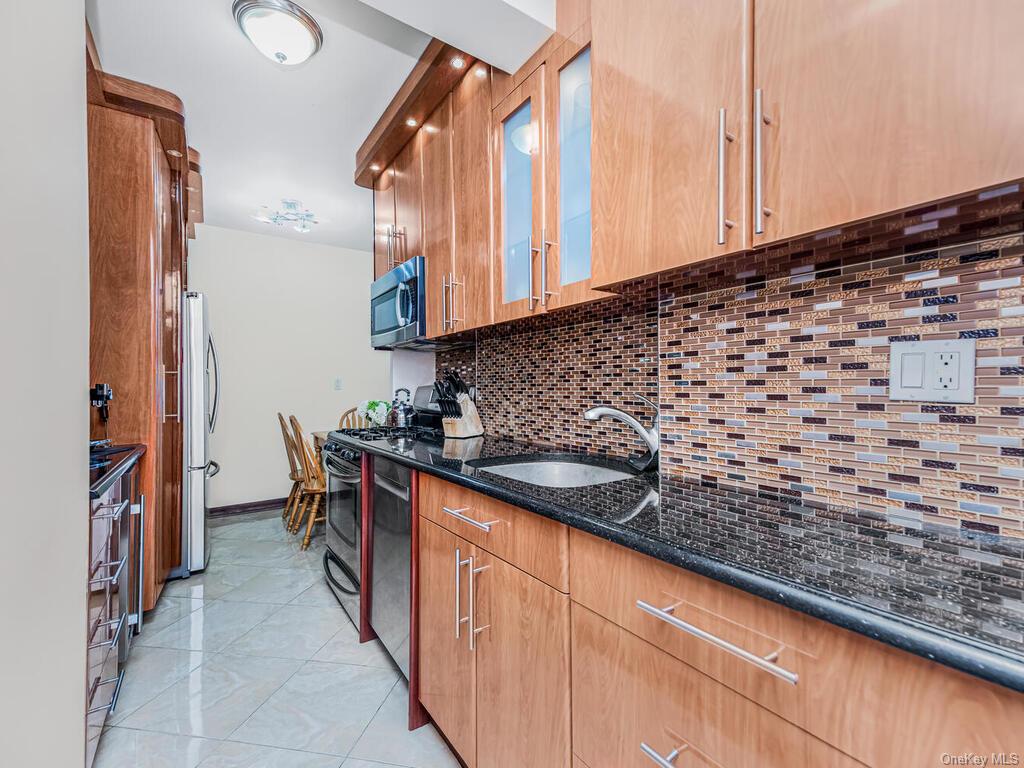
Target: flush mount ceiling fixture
(301,219)
(281,30)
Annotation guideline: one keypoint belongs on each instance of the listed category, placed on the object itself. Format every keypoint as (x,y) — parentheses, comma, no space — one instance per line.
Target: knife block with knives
(459,415)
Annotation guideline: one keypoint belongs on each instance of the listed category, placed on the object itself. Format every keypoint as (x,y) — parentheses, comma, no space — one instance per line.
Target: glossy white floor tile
(387,738)
(253,664)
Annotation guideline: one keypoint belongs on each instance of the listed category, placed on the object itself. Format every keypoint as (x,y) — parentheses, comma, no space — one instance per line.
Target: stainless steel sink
(558,474)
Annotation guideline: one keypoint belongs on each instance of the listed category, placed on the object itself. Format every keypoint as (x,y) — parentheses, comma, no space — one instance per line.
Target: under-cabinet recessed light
(173,153)
(431,128)
(411,122)
(458,62)
(281,30)
(374,167)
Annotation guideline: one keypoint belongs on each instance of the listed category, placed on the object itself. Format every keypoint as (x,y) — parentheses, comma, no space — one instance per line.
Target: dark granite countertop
(107,465)
(956,597)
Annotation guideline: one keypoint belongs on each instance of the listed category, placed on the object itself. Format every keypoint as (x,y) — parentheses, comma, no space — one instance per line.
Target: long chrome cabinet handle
(457,514)
(459,618)
(112,578)
(112,642)
(760,121)
(452,282)
(668,761)
(723,137)
(391,247)
(113,699)
(664,615)
(544,292)
(474,630)
(529,261)
(140,510)
(444,303)
(116,514)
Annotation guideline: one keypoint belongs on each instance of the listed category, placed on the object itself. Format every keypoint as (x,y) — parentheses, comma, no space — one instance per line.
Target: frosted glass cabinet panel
(574,169)
(517,208)
(518,168)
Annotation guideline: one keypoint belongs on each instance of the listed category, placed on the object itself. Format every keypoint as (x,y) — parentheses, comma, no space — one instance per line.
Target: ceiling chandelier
(292,213)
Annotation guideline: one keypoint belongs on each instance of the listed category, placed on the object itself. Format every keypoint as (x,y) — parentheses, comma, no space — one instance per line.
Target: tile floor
(253,664)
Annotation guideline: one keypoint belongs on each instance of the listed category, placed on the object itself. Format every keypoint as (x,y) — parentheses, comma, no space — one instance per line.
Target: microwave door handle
(216,381)
(403,288)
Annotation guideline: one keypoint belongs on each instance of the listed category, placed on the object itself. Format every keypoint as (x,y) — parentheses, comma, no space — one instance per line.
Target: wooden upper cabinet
(875,107)
(471,169)
(409,201)
(446,662)
(518,199)
(671,84)
(437,216)
(383,222)
(566,259)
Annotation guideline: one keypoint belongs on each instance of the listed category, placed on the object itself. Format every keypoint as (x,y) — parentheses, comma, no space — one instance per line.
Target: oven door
(342,559)
(397,312)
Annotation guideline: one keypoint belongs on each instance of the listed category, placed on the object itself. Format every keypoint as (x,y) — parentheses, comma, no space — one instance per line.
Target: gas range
(369,434)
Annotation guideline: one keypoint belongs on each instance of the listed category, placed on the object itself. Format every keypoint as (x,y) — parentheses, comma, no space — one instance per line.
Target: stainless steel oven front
(343,556)
(398,315)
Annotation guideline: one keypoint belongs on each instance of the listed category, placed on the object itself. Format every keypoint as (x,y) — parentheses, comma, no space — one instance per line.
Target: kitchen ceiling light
(481,72)
(301,219)
(280,29)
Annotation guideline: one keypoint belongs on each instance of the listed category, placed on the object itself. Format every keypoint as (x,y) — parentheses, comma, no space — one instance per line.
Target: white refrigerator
(201,383)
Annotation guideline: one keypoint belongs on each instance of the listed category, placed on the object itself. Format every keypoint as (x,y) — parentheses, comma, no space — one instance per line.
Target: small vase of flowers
(375,411)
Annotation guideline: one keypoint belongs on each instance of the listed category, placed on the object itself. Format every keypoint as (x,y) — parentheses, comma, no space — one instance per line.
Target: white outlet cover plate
(932,371)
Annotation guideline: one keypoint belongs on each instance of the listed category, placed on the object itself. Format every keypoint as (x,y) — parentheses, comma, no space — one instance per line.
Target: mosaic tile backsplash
(771,368)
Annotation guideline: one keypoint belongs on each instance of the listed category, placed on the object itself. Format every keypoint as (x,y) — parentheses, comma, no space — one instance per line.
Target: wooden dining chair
(313,486)
(295,473)
(351,419)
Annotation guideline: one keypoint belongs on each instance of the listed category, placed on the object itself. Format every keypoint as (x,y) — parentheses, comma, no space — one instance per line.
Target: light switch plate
(932,371)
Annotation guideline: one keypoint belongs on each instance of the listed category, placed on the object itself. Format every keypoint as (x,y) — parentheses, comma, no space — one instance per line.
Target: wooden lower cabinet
(632,701)
(522,675)
(493,656)
(447,666)
(870,700)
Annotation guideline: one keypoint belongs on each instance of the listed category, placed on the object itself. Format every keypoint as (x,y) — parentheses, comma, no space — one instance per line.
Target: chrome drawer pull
(113,699)
(112,578)
(763,663)
(112,642)
(668,761)
(116,514)
(457,514)
(459,618)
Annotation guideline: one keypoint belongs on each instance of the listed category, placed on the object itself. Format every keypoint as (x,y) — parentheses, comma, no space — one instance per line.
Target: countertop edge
(135,452)
(953,651)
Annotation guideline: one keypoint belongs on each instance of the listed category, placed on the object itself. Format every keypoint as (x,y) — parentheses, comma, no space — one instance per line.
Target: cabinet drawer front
(532,543)
(859,695)
(634,704)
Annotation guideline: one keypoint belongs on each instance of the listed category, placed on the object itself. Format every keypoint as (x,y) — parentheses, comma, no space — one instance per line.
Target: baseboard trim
(245,507)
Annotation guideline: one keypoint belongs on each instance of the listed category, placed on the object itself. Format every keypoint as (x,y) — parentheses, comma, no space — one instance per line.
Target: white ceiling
(267,132)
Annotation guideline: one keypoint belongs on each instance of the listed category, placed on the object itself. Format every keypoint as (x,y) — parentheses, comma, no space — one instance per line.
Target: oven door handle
(395,490)
(338,471)
(330,557)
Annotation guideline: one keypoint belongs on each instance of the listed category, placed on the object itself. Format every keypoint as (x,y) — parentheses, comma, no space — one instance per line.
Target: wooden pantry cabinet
(493,647)
(870,107)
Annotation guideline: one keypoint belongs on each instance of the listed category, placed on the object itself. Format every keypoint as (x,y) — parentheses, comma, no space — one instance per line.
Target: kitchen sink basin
(558,473)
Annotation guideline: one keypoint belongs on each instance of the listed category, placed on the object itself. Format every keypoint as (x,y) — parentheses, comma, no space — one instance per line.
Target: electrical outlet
(338,384)
(932,371)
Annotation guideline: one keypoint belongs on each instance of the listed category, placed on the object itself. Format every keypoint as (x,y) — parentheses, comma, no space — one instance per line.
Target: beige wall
(289,319)
(44,346)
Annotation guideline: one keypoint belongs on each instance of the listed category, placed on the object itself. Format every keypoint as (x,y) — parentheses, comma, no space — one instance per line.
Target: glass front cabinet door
(566,257)
(519,209)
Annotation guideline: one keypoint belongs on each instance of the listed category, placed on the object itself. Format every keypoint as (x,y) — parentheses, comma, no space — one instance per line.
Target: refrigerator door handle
(212,468)
(216,381)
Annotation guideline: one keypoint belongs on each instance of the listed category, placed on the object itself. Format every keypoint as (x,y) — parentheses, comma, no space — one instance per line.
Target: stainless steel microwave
(398,314)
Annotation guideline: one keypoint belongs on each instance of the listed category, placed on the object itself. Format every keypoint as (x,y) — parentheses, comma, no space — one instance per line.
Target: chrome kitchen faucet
(651,437)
